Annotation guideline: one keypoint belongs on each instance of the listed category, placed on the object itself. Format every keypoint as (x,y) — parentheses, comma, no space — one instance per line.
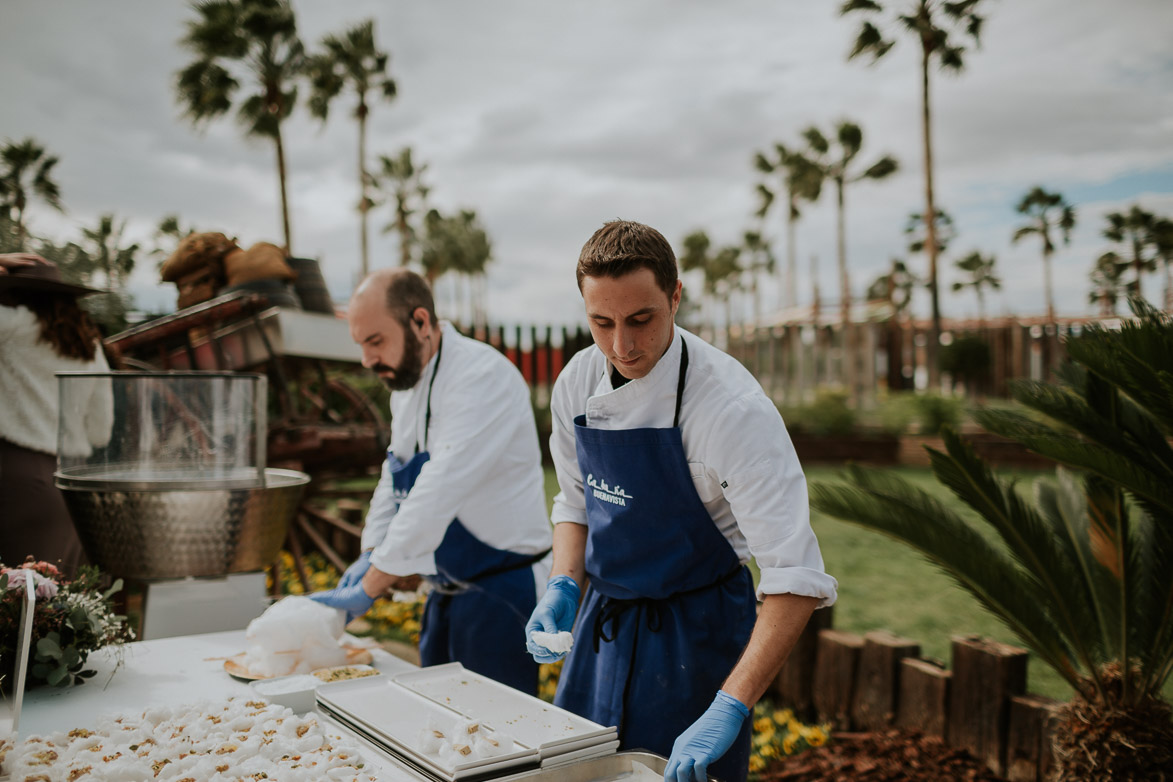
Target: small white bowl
(295,692)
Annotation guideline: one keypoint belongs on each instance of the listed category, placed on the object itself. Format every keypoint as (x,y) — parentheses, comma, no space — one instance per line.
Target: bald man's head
(401,291)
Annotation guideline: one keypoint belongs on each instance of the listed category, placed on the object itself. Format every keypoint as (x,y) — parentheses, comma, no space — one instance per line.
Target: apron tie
(652,608)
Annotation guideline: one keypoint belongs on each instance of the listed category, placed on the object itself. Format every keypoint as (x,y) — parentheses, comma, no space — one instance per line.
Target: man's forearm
(570,552)
(780,621)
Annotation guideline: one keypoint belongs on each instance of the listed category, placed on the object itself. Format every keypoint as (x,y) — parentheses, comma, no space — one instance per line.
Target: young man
(461,499)
(674,468)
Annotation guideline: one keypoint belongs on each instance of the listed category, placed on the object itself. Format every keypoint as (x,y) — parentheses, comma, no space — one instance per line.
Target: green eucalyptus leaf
(49,647)
(115,587)
(40,670)
(71,657)
(3,582)
(57,677)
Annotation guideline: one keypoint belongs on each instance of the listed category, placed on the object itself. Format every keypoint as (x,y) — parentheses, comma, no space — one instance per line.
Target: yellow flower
(816,737)
(762,725)
(788,744)
(756,764)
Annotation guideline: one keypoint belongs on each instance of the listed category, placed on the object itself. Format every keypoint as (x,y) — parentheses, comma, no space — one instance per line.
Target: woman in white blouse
(43,331)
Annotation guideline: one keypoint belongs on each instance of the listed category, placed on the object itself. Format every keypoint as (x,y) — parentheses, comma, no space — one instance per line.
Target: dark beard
(407,374)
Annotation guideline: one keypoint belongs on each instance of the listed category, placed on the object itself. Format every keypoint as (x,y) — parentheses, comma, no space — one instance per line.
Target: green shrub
(936,412)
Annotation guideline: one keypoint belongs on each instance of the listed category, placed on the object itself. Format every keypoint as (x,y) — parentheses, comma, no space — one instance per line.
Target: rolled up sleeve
(765,487)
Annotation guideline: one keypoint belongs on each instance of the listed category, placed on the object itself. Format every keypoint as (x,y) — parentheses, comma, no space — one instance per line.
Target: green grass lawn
(887,585)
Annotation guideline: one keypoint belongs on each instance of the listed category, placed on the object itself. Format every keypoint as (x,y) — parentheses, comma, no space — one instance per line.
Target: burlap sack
(194,252)
(195,287)
(262,261)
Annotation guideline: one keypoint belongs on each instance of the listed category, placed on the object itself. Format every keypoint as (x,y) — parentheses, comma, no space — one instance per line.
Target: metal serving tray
(611,768)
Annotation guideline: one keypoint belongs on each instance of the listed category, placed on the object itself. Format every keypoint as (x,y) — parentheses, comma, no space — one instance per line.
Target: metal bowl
(181,528)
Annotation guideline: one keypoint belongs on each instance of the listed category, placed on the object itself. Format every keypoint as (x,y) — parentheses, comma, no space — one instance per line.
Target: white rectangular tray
(531,721)
(596,751)
(394,715)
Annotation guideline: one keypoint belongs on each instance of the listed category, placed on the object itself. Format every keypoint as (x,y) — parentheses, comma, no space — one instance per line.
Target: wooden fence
(879,680)
(794,361)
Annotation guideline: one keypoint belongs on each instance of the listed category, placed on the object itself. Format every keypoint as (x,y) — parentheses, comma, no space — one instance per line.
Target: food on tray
(461,741)
(558,643)
(294,635)
(344,672)
(204,742)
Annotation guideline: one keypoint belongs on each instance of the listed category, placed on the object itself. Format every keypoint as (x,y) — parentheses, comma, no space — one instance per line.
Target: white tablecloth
(185,669)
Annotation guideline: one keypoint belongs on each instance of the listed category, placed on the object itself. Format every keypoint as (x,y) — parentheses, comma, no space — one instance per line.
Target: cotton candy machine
(177,486)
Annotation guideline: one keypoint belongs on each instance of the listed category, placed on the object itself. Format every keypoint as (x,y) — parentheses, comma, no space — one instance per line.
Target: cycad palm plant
(352,59)
(1083,575)
(261,37)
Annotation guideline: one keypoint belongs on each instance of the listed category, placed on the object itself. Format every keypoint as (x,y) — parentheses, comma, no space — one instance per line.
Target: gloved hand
(353,599)
(554,613)
(706,740)
(356,571)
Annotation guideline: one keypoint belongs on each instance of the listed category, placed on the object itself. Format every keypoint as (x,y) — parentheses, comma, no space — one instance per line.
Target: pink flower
(46,588)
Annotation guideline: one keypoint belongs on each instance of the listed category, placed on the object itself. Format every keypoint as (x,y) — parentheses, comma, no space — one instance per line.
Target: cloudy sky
(550,118)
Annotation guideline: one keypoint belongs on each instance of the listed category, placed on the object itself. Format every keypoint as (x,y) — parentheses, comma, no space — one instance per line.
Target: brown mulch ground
(886,756)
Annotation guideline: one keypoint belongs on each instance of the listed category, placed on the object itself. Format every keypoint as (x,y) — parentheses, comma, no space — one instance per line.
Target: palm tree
(410,193)
(979,275)
(802,180)
(104,253)
(1083,575)
(895,287)
(760,261)
(1047,212)
(849,140)
(942,229)
(936,25)
(257,38)
(458,244)
(721,268)
(1107,278)
(1163,242)
(24,160)
(352,59)
(1134,229)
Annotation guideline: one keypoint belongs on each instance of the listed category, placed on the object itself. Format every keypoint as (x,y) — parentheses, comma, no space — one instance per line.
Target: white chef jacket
(742,462)
(485,466)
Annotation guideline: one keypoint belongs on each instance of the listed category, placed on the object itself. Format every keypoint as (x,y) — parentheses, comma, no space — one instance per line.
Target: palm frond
(1034,544)
(887,504)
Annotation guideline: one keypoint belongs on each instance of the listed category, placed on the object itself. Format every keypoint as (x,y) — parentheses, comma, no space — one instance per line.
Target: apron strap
(428,410)
(455,586)
(652,608)
(680,382)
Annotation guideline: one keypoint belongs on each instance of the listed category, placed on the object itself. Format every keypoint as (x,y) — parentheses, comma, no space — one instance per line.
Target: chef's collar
(669,364)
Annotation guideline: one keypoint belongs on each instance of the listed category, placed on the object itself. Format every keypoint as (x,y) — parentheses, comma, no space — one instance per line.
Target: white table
(170,671)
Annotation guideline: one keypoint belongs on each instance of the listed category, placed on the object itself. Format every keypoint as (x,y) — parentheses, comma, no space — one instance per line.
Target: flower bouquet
(72,619)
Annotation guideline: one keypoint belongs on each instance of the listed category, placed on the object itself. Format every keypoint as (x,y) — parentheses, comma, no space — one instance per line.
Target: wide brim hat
(43,277)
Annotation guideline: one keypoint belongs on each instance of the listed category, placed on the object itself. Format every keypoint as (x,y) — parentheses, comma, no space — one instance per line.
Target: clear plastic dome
(161,431)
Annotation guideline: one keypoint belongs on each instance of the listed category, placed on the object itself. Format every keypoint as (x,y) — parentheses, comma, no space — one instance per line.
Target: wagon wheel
(338,433)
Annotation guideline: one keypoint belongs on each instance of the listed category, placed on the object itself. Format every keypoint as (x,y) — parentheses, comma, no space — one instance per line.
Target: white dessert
(294,635)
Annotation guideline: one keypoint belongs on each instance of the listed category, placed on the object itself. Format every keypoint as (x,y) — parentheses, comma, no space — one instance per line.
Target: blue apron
(668,609)
(482,596)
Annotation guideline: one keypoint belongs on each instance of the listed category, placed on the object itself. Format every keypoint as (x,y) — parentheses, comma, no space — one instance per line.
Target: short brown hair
(622,246)
(407,292)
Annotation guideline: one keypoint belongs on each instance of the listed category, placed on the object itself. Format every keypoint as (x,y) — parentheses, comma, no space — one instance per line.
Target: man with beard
(461,500)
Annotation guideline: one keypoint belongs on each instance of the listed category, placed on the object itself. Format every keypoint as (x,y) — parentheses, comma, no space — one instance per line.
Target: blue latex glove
(356,571)
(353,599)
(706,740)
(554,613)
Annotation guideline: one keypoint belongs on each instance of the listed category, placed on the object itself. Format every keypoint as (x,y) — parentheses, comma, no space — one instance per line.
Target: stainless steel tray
(610,768)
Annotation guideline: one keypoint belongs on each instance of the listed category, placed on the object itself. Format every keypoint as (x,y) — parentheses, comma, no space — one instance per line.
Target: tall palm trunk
(1138,265)
(284,197)
(1047,284)
(790,283)
(363,201)
(845,295)
(934,340)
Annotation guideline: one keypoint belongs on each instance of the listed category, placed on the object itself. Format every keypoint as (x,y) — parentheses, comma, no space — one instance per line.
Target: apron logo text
(605,493)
